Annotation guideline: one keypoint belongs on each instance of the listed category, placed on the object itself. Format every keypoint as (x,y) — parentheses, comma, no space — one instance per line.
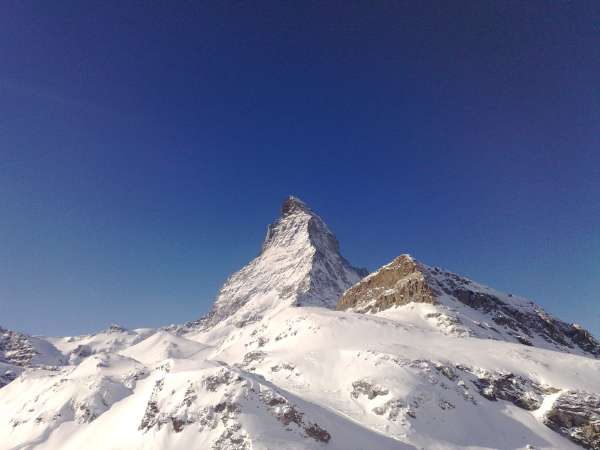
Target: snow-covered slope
(113,339)
(409,361)
(309,378)
(162,346)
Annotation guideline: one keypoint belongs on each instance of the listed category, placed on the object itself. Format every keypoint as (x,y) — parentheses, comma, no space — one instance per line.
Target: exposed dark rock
(114,328)
(519,391)
(576,415)
(292,205)
(255,356)
(227,408)
(394,409)
(283,366)
(223,377)
(7,376)
(447,371)
(232,439)
(365,387)
(523,323)
(151,414)
(287,414)
(16,348)
(317,433)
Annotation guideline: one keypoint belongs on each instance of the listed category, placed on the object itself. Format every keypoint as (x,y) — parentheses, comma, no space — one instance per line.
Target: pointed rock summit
(294,204)
(300,264)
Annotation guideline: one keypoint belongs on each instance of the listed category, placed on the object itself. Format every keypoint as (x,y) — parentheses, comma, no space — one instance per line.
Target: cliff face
(400,282)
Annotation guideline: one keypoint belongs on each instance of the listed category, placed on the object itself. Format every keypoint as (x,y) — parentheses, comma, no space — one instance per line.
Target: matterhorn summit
(302,351)
(299,264)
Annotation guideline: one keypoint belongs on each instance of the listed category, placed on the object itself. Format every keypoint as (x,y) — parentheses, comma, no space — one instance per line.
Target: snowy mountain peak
(299,226)
(415,357)
(299,264)
(294,204)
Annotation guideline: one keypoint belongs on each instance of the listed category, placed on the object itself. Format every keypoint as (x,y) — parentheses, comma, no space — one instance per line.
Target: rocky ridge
(477,309)
(19,351)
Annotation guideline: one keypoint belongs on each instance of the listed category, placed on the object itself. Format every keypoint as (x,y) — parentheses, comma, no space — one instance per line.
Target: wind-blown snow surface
(262,373)
(113,339)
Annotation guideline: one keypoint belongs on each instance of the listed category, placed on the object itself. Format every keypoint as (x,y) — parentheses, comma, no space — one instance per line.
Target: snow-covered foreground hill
(434,365)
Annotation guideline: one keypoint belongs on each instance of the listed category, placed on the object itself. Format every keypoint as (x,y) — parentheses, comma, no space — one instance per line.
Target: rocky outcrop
(19,351)
(505,316)
(520,391)
(523,319)
(217,402)
(367,388)
(576,415)
(8,373)
(16,348)
(402,281)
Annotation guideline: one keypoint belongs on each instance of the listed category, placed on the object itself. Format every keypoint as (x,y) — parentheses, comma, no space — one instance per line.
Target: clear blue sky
(145,146)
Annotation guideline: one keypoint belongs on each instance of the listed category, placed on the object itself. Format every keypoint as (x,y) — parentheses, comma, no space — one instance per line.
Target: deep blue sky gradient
(145,146)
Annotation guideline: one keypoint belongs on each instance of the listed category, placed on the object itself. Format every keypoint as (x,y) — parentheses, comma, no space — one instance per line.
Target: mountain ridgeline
(303,351)
(485,311)
(300,265)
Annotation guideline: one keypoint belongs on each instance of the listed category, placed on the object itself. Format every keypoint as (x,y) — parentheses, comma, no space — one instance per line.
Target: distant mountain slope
(161,346)
(24,351)
(113,339)
(19,351)
(464,306)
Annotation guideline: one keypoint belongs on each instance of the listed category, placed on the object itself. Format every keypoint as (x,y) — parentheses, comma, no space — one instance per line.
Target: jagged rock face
(400,282)
(525,321)
(576,415)
(19,351)
(16,348)
(405,280)
(300,264)
(520,391)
